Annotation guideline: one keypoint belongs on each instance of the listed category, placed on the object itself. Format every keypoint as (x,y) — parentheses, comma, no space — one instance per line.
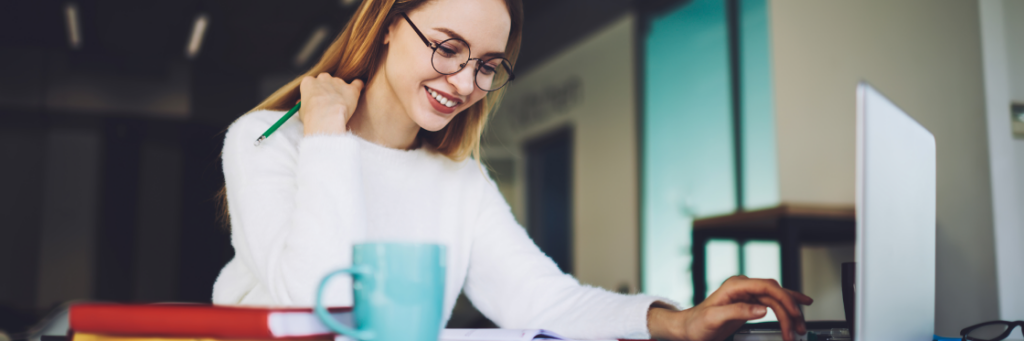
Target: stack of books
(197,322)
(205,322)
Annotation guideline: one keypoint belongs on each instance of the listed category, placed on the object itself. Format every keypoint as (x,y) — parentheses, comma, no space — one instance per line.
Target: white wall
(822,278)
(591,88)
(999,42)
(926,56)
(1013,11)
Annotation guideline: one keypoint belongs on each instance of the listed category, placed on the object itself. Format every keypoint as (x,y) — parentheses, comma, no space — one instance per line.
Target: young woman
(390,161)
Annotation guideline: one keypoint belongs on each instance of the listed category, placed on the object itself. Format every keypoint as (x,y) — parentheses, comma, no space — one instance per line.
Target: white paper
(497,335)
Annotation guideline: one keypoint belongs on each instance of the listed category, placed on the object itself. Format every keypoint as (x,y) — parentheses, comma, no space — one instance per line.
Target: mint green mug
(397,291)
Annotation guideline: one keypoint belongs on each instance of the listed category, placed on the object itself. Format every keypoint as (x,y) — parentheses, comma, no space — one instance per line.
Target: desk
(790,225)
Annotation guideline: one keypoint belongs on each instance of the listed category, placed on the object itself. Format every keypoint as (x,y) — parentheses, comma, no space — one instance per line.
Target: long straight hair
(358,52)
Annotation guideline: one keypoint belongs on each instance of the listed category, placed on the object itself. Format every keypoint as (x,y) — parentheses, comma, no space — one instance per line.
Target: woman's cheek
(477,96)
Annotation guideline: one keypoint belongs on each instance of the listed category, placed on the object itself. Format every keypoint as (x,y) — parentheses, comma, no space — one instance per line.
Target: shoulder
(472,174)
(252,125)
(467,169)
(242,134)
(240,154)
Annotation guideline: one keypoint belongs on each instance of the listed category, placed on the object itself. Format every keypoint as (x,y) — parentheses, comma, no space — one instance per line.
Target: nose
(463,80)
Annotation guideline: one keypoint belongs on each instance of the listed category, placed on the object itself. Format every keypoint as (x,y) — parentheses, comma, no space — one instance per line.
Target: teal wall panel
(760,168)
(687,165)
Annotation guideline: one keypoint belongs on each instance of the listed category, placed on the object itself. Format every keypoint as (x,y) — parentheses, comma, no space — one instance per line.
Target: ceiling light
(315,39)
(195,40)
(74,26)
(349,3)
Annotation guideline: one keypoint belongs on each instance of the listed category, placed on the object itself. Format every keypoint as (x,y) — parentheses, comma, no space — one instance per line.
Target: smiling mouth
(445,101)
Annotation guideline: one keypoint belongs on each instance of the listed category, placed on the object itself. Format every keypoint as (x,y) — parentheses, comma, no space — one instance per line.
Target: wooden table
(790,225)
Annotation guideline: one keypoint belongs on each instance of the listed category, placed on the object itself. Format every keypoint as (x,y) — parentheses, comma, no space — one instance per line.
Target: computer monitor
(895,252)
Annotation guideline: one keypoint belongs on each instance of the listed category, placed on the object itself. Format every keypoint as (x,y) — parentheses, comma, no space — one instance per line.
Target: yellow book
(102,337)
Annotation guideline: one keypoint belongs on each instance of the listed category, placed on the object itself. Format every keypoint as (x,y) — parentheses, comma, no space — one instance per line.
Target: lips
(441,101)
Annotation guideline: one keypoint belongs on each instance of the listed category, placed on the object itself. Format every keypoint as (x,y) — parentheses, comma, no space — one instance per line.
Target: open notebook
(498,335)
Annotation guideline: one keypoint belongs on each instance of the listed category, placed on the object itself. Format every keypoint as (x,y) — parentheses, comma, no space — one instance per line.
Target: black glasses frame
(480,62)
(1009,329)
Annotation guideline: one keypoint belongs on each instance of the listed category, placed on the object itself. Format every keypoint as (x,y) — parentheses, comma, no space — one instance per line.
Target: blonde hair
(358,52)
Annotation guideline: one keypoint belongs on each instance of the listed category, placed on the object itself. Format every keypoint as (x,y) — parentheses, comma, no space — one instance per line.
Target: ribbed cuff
(635,321)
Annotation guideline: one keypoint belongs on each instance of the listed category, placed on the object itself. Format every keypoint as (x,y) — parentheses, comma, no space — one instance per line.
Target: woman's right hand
(738,300)
(327,103)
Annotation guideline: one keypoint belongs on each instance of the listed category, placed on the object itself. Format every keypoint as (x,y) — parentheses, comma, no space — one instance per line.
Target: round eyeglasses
(452,55)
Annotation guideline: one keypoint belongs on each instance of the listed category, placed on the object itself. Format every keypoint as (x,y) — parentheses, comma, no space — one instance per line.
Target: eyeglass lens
(452,55)
(987,332)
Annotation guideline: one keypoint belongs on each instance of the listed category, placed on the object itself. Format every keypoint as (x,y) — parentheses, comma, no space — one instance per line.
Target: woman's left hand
(738,300)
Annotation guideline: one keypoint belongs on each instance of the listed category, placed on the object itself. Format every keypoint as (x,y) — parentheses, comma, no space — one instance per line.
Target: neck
(380,119)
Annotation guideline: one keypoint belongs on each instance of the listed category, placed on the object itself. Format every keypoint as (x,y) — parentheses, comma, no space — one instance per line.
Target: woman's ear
(388,29)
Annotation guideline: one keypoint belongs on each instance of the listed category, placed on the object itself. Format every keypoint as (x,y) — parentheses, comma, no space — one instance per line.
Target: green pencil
(274,127)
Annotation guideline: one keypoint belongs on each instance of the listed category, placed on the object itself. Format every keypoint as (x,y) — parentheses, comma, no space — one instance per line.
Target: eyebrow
(452,34)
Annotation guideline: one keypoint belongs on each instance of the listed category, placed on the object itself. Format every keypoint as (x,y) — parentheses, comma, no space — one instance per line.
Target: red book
(201,320)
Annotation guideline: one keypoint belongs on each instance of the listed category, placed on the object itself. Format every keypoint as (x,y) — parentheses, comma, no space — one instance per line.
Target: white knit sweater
(299,203)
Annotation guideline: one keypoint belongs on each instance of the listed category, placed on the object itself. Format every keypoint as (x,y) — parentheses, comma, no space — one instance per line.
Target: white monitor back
(895,253)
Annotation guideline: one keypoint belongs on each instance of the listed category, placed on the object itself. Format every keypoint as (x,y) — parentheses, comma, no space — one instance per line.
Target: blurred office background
(630,123)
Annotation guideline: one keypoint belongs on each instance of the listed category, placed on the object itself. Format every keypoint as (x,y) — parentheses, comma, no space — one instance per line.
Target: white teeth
(441,99)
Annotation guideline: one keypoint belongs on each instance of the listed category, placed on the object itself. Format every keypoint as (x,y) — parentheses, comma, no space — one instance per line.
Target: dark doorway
(549,195)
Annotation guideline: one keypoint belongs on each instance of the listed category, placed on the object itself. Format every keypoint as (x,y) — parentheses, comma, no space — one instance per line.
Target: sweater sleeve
(295,208)
(515,285)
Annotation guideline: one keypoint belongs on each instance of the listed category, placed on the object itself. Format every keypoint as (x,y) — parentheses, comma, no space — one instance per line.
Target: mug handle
(327,319)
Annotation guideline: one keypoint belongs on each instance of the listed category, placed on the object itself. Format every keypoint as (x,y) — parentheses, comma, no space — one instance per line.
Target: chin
(432,124)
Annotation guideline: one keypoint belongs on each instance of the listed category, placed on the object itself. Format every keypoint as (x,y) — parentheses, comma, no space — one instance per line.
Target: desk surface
(789,224)
(769,218)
